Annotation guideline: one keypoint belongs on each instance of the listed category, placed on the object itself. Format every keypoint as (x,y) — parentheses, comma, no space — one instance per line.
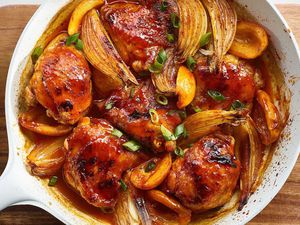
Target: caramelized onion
(205,122)
(193,25)
(165,81)
(47,157)
(223,23)
(184,215)
(36,120)
(101,53)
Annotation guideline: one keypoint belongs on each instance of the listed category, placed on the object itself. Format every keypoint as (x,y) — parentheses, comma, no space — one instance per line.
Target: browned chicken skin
(130,113)
(207,175)
(96,161)
(138,30)
(62,82)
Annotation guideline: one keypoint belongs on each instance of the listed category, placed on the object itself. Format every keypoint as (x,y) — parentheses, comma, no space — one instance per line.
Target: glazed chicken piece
(62,82)
(237,80)
(96,161)
(138,30)
(128,109)
(207,175)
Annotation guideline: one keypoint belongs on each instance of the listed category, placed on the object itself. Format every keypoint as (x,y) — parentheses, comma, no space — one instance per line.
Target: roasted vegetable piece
(95,162)
(101,52)
(79,12)
(151,173)
(206,122)
(184,215)
(193,25)
(223,23)
(207,175)
(267,118)
(35,120)
(185,87)
(235,81)
(129,110)
(47,157)
(250,152)
(62,81)
(138,31)
(250,40)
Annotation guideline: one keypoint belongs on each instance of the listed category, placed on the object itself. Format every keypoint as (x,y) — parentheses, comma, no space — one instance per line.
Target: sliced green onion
(79,45)
(237,105)
(137,99)
(154,116)
(36,54)
(163,6)
(191,63)
(123,185)
(197,109)
(179,152)
(175,20)
(159,62)
(132,146)
(181,113)
(168,135)
(161,99)
(215,95)
(205,39)
(150,166)
(53,181)
(170,38)
(109,105)
(72,39)
(132,91)
(180,130)
(117,133)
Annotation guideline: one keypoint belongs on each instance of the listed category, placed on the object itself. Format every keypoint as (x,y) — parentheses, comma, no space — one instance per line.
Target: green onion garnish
(168,135)
(53,181)
(215,95)
(237,105)
(197,109)
(109,105)
(72,39)
(191,63)
(175,20)
(179,152)
(180,130)
(36,54)
(159,62)
(132,146)
(164,6)
(205,39)
(181,113)
(150,166)
(79,45)
(161,99)
(117,133)
(170,38)
(154,116)
(123,185)
(132,91)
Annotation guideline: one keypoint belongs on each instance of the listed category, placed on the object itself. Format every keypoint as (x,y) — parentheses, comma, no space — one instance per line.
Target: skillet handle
(13,186)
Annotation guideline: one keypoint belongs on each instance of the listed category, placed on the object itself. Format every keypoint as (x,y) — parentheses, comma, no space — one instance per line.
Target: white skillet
(17,186)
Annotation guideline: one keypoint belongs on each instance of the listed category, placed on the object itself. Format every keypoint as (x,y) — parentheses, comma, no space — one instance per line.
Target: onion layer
(223,23)
(101,52)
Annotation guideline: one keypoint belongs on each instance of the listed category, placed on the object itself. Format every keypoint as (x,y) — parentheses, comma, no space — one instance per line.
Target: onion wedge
(101,52)
(47,157)
(205,122)
(223,23)
(79,12)
(193,25)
